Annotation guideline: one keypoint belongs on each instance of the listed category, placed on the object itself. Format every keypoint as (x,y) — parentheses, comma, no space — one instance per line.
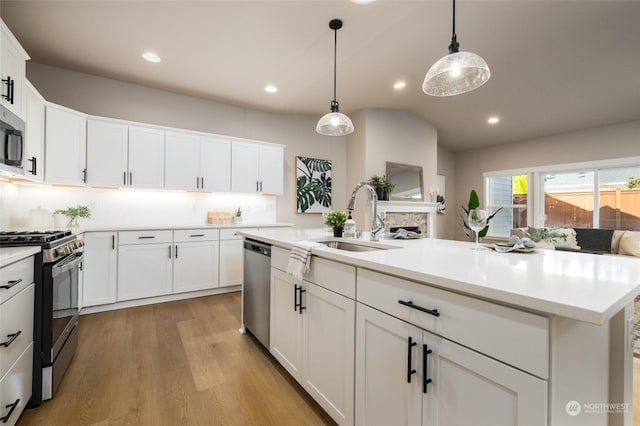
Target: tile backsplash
(393,219)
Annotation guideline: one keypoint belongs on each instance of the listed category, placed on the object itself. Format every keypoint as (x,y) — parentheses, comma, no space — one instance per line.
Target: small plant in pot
(336,219)
(237,215)
(73,213)
(382,186)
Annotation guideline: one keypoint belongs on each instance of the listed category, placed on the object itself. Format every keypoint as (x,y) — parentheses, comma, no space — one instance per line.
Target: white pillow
(571,243)
(630,243)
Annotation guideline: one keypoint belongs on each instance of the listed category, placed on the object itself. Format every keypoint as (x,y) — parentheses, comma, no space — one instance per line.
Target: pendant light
(456,73)
(334,123)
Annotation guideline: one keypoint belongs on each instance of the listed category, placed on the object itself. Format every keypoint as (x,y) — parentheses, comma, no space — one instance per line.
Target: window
(603,194)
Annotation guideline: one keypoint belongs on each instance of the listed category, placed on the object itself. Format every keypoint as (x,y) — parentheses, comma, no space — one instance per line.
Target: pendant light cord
(454,46)
(335,58)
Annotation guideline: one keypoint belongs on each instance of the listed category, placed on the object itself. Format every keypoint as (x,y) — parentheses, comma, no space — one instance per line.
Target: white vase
(59,221)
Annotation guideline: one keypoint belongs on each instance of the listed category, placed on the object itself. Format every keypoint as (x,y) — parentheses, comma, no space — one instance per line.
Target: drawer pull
(410,371)
(11,337)
(295,297)
(426,380)
(410,304)
(11,283)
(146,237)
(12,407)
(196,235)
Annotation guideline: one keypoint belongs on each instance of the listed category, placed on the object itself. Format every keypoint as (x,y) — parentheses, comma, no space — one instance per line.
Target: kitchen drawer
(15,386)
(231,233)
(334,276)
(145,237)
(189,235)
(518,338)
(21,270)
(16,316)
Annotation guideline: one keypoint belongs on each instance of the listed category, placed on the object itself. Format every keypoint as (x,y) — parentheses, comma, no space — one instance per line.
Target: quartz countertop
(112,228)
(10,255)
(581,286)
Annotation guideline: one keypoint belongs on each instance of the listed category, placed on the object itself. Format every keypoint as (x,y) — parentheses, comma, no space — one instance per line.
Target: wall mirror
(407,181)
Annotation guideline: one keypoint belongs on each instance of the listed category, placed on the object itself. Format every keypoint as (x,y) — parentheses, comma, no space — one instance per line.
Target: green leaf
(316,165)
(474,201)
(304,195)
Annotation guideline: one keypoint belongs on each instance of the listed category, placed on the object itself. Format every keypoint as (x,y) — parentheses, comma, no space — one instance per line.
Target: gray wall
(609,142)
(111,98)
(448,222)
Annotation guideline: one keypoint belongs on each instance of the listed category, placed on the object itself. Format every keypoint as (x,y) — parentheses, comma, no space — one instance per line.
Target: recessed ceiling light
(151,57)
(493,120)
(362,1)
(271,89)
(399,85)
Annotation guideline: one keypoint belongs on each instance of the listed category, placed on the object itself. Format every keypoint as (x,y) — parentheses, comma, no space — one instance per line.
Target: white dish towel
(300,257)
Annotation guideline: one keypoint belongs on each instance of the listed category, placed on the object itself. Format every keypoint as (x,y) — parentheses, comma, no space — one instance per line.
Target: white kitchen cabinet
(231,257)
(65,146)
(312,334)
(107,153)
(13,71)
(395,360)
(146,157)
(196,162)
(145,261)
(100,267)
(195,263)
(34,134)
(257,167)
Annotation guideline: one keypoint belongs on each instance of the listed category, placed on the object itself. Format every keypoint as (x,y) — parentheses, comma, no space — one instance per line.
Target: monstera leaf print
(313,184)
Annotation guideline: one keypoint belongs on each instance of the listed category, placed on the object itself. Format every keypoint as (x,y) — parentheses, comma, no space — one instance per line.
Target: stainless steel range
(56,305)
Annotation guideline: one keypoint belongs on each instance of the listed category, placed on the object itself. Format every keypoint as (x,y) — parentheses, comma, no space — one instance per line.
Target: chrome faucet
(377,223)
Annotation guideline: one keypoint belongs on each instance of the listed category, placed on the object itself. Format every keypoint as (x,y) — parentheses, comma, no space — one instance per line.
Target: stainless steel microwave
(11,142)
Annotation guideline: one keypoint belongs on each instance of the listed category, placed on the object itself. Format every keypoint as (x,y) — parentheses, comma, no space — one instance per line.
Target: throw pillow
(571,242)
(630,244)
(615,241)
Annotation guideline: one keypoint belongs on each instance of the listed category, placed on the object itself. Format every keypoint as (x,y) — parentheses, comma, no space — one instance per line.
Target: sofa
(593,240)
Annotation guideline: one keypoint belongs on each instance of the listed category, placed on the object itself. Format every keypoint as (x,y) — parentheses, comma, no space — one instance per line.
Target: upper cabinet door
(146,157)
(65,146)
(245,163)
(182,162)
(107,153)
(12,68)
(34,135)
(271,169)
(215,164)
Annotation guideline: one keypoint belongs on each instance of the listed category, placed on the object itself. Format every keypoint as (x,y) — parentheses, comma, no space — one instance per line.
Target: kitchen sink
(356,246)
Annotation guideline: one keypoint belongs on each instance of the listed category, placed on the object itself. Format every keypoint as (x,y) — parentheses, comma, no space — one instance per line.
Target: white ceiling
(556,65)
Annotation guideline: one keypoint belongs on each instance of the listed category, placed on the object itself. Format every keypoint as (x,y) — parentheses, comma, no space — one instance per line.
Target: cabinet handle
(410,371)
(84,175)
(257,186)
(295,297)
(124,178)
(170,251)
(146,237)
(196,235)
(300,304)
(11,408)
(176,251)
(201,183)
(11,283)
(11,337)
(113,242)
(130,178)
(9,82)
(33,165)
(197,182)
(425,352)
(410,304)
(260,186)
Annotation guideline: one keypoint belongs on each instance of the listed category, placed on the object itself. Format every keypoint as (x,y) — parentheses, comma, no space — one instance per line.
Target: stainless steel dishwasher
(256,291)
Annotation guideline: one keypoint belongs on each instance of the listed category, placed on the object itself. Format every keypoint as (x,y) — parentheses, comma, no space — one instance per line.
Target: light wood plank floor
(177,363)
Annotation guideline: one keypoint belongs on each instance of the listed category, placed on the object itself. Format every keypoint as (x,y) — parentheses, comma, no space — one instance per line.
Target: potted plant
(73,213)
(474,203)
(237,216)
(382,186)
(336,219)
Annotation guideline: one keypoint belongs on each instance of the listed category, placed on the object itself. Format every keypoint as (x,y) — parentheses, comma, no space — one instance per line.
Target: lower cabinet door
(144,270)
(387,393)
(286,324)
(327,351)
(231,262)
(195,266)
(15,387)
(468,388)
(100,268)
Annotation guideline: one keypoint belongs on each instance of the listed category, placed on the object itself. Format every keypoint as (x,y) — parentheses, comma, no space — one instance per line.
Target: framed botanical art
(313,185)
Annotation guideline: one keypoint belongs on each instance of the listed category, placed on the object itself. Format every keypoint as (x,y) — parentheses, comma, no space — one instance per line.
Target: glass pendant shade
(456,73)
(334,124)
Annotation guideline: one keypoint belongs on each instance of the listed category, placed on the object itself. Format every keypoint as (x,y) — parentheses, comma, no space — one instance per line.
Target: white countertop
(580,286)
(10,255)
(113,228)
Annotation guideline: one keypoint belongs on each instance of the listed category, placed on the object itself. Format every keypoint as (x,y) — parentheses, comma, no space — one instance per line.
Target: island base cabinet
(405,375)
(312,335)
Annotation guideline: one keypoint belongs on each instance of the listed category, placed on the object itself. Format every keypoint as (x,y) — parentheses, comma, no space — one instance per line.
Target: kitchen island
(513,338)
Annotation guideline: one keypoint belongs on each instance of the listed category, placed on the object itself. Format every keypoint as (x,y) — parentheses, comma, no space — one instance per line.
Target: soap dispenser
(349,228)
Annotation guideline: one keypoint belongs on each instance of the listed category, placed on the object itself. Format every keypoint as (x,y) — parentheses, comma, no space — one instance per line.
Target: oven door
(64,301)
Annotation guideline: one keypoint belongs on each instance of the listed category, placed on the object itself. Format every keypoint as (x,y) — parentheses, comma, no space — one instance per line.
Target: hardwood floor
(177,363)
